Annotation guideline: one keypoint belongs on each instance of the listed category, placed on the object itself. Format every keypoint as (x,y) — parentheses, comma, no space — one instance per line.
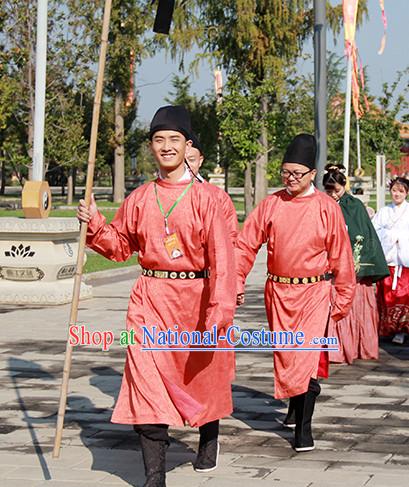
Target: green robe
(367,250)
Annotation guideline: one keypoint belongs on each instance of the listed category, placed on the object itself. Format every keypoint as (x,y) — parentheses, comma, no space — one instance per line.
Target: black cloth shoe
(289,421)
(304,409)
(207,456)
(154,460)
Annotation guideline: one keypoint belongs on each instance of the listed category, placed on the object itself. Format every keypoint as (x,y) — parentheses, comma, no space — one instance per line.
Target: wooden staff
(83,232)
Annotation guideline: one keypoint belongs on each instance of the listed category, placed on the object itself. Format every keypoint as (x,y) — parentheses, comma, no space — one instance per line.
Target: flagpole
(320,85)
(218,87)
(347,123)
(358,146)
(83,232)
(40,85)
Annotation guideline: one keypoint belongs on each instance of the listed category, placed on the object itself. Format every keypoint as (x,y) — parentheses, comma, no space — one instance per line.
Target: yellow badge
(172,245)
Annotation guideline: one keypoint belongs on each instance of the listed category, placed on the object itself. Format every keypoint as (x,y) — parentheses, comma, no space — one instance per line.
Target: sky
(153,79)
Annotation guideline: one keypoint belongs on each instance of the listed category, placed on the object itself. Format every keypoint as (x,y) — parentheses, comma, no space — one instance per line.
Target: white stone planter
(38,261)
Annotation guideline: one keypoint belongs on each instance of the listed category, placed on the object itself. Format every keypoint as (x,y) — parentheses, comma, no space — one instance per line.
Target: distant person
(194,160)
(392,225)
(357,333)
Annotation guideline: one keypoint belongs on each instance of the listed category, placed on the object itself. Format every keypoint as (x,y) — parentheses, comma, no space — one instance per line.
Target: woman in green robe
(357,333)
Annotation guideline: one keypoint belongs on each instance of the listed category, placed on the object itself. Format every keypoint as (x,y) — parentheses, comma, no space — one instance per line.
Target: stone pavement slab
(360,424)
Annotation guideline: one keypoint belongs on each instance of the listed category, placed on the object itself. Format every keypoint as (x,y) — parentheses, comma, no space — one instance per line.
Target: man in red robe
(187,284)
(194,161)
(306,239)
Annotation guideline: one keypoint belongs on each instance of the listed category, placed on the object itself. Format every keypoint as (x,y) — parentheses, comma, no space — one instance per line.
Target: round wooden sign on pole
(36,199)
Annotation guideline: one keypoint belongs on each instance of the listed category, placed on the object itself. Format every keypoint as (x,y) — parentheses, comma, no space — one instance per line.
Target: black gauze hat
(171,118)
(196,142)
(163,17)
(302,150)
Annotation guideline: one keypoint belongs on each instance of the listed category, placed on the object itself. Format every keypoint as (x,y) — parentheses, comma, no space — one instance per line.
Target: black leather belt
(176,274)
(299,280)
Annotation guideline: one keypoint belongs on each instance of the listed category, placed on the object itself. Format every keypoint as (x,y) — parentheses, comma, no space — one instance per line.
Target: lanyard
(167,214)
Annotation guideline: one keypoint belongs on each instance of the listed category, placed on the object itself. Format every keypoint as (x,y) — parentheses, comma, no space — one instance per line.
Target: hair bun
(400,180)
(334,168)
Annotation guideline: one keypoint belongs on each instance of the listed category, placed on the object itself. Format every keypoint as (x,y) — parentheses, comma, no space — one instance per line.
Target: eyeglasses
(297,175)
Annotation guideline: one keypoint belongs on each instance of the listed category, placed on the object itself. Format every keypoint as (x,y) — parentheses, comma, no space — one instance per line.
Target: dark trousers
(156,432)
(159,432)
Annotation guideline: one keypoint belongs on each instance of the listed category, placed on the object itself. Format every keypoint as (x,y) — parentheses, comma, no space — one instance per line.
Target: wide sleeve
(230,216)
(222,302)
(388,236)
(116,241)
(376,221)
(249,241)
(373,263)
(403,239)
(341,264)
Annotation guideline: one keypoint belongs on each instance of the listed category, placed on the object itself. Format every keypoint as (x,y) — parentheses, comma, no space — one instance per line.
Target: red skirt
(357,333)
(393,304)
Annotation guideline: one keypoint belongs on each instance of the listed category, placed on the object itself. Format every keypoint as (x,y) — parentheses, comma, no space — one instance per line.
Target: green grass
(53,213)
(109,214)
(4,212)
(96,262)
(61,201)
(100,204)
(238,202)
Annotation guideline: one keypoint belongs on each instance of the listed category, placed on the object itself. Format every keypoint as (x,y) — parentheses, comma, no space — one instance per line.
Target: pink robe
(306,236)
(357,333)
(173,387)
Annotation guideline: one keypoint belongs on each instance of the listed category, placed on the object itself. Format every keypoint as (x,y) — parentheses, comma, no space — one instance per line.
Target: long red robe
(306,236)
(173,387)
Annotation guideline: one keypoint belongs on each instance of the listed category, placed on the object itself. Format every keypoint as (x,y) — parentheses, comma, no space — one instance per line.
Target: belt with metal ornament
(176,274)
(299,280)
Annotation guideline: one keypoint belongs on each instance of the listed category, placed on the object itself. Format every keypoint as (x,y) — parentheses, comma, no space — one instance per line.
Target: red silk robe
(228,210)
(173,387)
(306,236)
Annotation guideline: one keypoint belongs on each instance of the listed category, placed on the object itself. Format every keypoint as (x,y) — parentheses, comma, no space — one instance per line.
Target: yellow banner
(350,9)
(218,84)
(385,25)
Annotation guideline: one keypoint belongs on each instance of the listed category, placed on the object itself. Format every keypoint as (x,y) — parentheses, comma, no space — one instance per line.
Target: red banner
(356,102)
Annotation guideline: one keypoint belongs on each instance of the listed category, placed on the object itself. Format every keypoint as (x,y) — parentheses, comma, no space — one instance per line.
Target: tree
(240,128)
(17,55)
(256,37)
(65,121)
(263,38)
(73,45)
(203,115)
(295,111)
(8,88)
(381,124)
(127,47)
(64,138)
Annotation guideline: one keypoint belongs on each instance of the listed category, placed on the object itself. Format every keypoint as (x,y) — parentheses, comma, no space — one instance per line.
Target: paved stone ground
(361,421)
